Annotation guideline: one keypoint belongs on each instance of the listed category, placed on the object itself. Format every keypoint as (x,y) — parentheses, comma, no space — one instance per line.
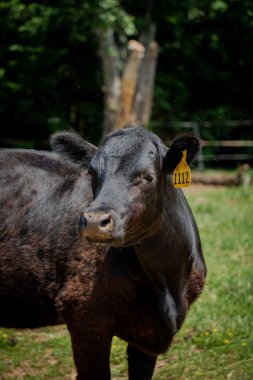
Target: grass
(216,341)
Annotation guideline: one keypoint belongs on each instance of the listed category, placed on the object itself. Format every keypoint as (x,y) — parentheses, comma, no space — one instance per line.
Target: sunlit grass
(216,341)
(35,355)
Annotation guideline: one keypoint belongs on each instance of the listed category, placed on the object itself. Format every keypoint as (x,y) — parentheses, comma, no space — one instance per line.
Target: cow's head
(128,173)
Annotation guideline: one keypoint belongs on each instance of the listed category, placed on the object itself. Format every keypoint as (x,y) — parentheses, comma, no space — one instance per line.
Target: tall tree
(128,66)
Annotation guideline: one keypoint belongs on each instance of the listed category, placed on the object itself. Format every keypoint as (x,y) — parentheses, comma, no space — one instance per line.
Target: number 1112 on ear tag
(181,177)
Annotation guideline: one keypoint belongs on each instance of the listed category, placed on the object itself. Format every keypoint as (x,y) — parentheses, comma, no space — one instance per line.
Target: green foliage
(205,60)
(46,58)
(110,14)
(50,68)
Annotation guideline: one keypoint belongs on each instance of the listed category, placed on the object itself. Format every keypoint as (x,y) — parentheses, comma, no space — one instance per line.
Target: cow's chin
(112,242)
(123,237)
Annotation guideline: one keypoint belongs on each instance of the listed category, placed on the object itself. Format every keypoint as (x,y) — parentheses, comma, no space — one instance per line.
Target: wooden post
(195,127)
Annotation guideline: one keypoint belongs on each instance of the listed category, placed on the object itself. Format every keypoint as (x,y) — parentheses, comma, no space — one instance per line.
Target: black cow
(137,266)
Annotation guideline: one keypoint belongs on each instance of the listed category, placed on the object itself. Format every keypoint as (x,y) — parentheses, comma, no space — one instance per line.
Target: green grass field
(216,341)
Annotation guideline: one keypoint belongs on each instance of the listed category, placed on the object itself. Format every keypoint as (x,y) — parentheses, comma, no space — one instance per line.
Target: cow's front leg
(140,365)
(91,350)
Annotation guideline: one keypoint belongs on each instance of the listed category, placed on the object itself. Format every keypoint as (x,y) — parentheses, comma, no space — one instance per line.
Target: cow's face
(128,174)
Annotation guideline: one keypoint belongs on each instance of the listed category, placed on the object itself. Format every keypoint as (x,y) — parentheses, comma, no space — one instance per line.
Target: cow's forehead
(127,144)
(129,150)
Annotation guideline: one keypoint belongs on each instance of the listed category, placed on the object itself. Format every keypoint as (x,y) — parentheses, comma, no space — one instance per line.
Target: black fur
(146,268)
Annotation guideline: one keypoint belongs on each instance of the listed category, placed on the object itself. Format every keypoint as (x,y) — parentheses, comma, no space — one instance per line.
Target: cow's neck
(166,258)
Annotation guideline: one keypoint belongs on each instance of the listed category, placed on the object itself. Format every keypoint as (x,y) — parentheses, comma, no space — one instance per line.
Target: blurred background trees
(63,64)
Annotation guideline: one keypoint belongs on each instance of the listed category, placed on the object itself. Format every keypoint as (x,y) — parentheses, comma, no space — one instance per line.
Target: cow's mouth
(113,242)
(100,242)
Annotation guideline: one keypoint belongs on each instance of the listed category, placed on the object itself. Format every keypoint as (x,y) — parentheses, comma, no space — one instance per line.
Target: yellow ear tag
(181,176)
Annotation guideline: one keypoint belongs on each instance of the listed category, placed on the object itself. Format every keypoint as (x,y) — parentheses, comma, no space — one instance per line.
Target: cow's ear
(73,147)
(174,154)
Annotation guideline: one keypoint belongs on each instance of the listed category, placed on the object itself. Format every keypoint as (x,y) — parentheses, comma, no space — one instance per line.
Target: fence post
(200,160)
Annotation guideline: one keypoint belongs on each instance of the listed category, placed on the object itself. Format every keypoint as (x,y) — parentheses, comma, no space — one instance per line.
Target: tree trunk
(112,82)
(144,95)
(128,86)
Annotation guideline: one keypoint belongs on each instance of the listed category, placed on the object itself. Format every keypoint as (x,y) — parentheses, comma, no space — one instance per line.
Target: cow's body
(138,289)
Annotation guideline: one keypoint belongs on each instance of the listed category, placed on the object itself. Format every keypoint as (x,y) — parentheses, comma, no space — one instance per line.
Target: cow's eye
(148,177)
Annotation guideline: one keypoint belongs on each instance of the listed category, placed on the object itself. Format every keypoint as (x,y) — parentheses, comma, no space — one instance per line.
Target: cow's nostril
(106,221)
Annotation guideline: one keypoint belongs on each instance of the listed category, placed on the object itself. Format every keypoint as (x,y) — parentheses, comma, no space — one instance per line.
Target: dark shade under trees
(51,72)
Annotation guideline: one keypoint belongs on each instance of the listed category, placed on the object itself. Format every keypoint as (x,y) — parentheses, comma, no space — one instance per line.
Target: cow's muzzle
(97,226)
